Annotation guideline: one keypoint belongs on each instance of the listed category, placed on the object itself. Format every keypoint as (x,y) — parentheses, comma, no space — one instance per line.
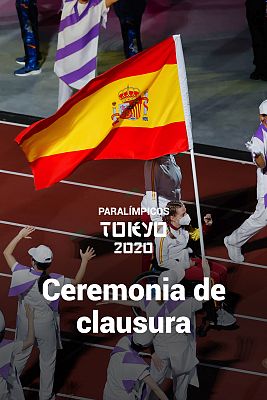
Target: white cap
(263,107)
(175,276)
(143,339)
(2,322)
(42,254)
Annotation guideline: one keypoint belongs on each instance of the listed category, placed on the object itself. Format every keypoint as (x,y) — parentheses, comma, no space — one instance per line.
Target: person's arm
(31,335)
(149,381)
(194,233)
(86,256)
(157,361)
(110,2)
(8,252)
(151,173)
(256,147)
(260,161)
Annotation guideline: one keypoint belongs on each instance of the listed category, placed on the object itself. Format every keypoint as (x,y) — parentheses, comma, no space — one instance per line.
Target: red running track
(66,213)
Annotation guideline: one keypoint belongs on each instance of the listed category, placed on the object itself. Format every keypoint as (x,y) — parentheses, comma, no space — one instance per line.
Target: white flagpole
(186,105)
(194,173)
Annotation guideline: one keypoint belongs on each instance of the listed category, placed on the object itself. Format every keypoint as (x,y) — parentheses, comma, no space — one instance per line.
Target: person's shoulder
(19,267)
(260,133)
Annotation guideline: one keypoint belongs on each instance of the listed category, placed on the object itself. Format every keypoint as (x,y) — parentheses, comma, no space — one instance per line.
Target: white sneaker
(224,318)
(234,252)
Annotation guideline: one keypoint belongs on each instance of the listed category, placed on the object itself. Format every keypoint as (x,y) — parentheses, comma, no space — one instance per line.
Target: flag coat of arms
(137,110)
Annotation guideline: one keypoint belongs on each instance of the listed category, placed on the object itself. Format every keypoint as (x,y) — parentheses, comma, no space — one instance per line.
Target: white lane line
(5,275)
(109,189)
(234,210)
(247,264)
(223,158)
(186,152)
(80,235)
(97,346)
(67,396)
(251,318)
(57,231)
(101,346)
(242,371)
(13,123)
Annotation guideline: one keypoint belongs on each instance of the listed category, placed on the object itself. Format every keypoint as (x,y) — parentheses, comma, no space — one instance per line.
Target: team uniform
(162,183)
(24,284)
(130,14)
(175,249)
(258,219)
(177,350)
(10,386)
(28,18)
(125,374)
(76,56)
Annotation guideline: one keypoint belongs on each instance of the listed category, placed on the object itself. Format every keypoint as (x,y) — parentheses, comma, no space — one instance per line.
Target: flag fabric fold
(136,110)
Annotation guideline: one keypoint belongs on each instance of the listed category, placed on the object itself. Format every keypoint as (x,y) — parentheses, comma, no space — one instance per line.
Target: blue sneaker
(26,71)
(21,60)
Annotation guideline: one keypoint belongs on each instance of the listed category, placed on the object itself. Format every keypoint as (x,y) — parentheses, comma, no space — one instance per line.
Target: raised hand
(88,254)
(158,362)
(208,219)
(26,232)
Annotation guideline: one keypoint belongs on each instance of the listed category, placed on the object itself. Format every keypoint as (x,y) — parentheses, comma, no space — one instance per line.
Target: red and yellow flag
(136,110)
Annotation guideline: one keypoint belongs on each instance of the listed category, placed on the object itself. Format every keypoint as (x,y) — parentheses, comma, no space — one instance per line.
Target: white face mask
(185,220)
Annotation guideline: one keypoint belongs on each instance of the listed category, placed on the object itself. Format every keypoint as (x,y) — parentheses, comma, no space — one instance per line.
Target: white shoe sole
(20,62)
(31,73)
(228,247)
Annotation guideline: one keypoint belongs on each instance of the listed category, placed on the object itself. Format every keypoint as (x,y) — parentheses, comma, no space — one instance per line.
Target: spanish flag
(137,110)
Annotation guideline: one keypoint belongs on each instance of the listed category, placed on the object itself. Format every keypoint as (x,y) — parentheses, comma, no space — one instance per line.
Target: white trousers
(3,389)
(64,93)
(45,334)
(251,226)
(180,382)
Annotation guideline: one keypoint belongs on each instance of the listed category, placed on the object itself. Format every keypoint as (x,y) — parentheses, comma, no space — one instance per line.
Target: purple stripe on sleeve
(144,392)
(265,200)
(161,313)
(4,371)
(54,305)
(37,273)
(146,302)
(128,385)
(133,358)
(20,267)
(118,349)
(56,276)
(259,134)
(20,289)
(172,304)
(78,44)
(75,17)
(79,73)
(5,342)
